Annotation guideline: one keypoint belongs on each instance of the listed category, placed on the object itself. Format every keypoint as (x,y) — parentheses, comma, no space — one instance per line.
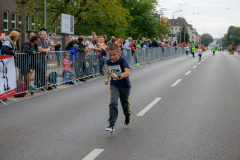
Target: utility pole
(172,22)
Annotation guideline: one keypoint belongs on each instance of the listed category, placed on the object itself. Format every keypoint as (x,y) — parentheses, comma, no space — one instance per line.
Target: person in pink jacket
(238,49)
(66,67)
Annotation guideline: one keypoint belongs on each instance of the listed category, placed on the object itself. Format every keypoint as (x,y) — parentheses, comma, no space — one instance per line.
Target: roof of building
(178,22)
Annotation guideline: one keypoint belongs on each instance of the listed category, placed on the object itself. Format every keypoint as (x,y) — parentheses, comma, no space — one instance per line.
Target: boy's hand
(114,76)
(106,81)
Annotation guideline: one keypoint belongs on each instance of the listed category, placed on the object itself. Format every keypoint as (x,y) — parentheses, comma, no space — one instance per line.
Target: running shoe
(110,128)
(31,88)
(137,64)
(127,120)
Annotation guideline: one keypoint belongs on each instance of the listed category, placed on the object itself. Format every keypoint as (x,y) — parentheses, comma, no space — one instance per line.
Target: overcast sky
(210,16)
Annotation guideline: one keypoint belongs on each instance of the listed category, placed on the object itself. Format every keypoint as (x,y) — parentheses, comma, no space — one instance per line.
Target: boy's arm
(108,76)
(126,73)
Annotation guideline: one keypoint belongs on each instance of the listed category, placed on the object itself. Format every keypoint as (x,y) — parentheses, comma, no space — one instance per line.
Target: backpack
(21,90)
(52,78)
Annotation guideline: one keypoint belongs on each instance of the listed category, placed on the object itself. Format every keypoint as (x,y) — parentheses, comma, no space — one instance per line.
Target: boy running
(118,70)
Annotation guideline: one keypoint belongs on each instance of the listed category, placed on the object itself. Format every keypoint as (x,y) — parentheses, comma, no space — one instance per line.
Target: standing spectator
(52,45)
(143,42)
(58,48)
(105,39)
(111,41)
(81,56)
(155,43)
(94,42)
(127,49)
(26,61)
(89,45)
(41,64)
(9,43)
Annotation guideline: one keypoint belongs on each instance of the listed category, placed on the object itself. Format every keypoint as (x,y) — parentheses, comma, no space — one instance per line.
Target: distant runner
(213,49)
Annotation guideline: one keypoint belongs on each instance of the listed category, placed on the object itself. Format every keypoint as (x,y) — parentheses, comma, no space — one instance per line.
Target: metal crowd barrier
(43,71)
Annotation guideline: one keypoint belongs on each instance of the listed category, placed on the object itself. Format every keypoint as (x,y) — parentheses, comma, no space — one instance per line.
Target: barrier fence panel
(42,70)
(55,73)
(30,72)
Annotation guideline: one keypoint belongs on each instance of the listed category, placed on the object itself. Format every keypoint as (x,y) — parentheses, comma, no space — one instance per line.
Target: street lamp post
(172,22)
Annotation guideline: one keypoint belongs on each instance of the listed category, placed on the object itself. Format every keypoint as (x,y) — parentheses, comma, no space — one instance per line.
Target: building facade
(175,26)
(10,19)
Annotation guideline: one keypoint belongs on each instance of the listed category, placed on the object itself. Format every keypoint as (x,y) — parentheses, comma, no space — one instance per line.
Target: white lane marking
(195,67)
(93,154)
(188,73)
(174,84)
(148,107)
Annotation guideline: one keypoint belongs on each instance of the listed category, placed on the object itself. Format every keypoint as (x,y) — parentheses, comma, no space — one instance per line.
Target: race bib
(115,69)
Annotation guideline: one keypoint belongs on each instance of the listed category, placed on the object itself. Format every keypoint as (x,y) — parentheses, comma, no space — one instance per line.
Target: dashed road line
(148,107)
(93,154)
(195,67)
(174,84)
(188,73)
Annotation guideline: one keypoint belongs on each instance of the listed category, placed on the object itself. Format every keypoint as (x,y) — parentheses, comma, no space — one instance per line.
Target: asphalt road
(196,118)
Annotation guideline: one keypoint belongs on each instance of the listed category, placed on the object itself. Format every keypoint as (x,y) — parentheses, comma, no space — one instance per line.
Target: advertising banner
(7,77)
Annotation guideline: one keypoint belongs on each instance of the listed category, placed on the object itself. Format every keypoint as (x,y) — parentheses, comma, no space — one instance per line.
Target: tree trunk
(23,21)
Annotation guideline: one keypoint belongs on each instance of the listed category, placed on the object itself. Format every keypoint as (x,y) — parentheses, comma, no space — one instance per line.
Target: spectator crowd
(37,54)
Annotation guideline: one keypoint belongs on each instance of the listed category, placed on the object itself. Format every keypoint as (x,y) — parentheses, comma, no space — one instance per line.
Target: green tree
(206,39)
(145,18)
(163,29)
(98,15)
(234,32)
(183,29)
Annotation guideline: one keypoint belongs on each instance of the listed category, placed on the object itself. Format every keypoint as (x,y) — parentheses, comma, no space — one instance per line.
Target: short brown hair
(80,38)
(50,34)
(113,47)
(33,38)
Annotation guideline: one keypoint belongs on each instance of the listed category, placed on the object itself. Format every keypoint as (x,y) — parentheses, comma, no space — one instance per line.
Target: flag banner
(7,77)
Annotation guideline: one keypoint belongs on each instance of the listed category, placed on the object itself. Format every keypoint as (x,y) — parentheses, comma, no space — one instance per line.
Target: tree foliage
(234,32)
(206,39)
(183,27)
(111,17)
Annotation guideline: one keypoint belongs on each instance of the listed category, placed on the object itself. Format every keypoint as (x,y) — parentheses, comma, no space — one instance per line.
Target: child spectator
(66,67)
(119,86)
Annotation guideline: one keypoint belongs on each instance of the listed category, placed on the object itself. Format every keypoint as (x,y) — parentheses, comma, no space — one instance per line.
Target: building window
(33,23)
(27,23)
(13,20)
(20,22)
(5,20)
(175,28)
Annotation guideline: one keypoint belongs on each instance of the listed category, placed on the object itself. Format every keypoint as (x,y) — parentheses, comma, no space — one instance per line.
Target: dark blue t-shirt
(122,84)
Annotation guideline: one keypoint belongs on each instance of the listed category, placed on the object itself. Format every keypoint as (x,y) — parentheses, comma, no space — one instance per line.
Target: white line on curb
(195,67)
(93,154)
(148,107)
(188,73)
(174,84)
